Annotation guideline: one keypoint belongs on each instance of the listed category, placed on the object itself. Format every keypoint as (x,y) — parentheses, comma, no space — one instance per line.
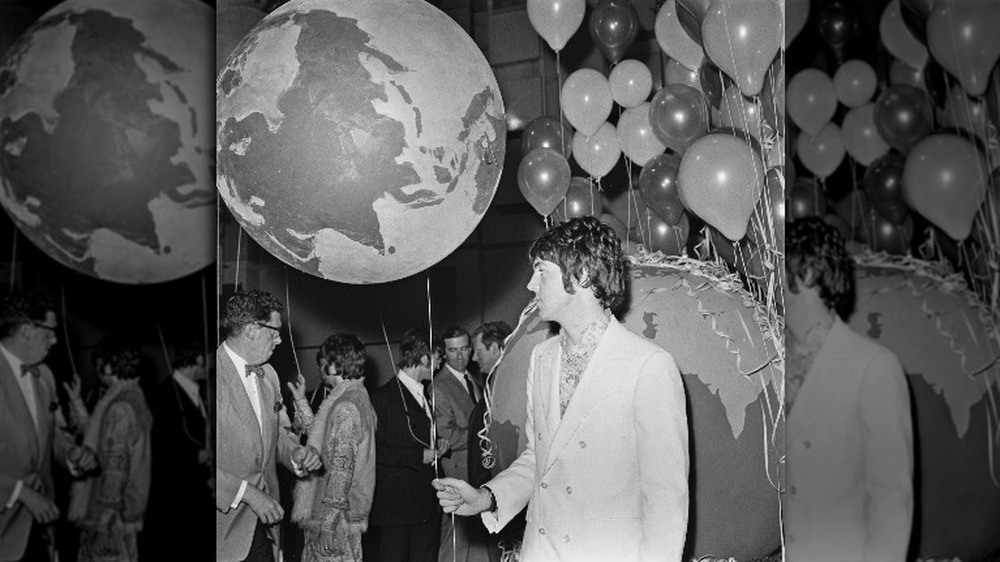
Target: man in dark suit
(253,432)
(405,520)
(30,430)
(181,460)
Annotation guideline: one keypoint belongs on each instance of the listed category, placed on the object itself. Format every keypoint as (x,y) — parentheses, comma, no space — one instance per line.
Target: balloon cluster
(918,137)
(705,141)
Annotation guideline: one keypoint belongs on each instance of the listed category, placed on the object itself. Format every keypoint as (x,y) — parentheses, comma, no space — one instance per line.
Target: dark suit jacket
(478,474)
(453,408)
(403,491)
(178,436)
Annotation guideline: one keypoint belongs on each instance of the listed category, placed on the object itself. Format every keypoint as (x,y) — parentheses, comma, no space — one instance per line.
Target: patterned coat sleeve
(339,452)
(121,485)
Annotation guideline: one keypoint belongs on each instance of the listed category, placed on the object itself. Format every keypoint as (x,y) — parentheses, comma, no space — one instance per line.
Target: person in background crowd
(252,432)
(181,460)
(109,506)
(606,464)
(333,508)
(455,396)
(849,491)
(30,430)
(405,522)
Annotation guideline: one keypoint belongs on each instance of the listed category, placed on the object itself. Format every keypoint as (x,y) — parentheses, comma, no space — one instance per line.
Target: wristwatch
(493,499)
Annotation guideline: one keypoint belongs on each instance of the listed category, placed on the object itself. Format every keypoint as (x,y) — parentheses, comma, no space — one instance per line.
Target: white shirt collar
(458,375)
(415,388)
(188,386)
(241,363)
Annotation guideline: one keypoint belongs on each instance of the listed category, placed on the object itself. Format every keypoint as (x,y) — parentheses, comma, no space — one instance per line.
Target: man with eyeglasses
(30,430)
(253,432)
(455,397)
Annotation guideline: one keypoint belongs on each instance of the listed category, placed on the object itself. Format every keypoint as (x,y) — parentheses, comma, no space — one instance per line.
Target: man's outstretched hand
(458,497)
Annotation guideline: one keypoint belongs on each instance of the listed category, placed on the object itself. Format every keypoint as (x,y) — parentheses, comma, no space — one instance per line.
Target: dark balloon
(544,178)
(691,13)
(582,199)
(806,199)
(614,25)
(678,116)
(713,83)
(663,237)
(543,132)
(772,96)
(884,187)
(903,116)
(915,14)
(658,187)
(888,237)
(838,24)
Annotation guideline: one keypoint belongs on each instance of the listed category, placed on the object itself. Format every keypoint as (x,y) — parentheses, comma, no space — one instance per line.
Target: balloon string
(430,349)
(291,332)
(562,126)
(239,251)
(13,259)
(65,325)
(163,347)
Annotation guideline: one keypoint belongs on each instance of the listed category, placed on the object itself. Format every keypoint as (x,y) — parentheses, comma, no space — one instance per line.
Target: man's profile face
(485,356)
(546,283)
(457,352)
(39,338)
(264,337)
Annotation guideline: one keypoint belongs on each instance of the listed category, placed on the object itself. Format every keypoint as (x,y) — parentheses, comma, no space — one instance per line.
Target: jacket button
(583,444)
(569,489)
(545,486)
(541,531)
(807,444)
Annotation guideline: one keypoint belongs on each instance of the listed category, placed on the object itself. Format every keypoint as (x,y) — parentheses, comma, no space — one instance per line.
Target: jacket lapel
(588,389)
(237,394)
(812,395)
(43,399)
(16,404)
(268,399)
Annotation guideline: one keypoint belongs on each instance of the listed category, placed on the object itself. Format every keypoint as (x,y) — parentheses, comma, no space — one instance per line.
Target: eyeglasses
(51,329)
(277,330)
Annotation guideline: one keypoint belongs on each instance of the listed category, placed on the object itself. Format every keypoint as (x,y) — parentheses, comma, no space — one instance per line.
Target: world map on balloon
(359,142)
(105,119)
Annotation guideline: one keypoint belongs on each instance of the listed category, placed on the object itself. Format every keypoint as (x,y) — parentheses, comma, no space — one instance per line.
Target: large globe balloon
(359,141)
(943,339)
(723,346)
(106,124)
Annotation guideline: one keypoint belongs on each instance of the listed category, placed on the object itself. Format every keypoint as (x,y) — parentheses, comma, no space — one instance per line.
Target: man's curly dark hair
(346,353)
(813,245)
(23,308)
(589,251)
(122,354)
(250,307)
(493,333)
(186,354)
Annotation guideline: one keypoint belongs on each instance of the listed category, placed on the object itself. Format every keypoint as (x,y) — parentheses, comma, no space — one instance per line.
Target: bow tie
(255,370)
(33,369)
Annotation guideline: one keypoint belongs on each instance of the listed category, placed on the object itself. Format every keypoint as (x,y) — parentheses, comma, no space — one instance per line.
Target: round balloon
(679,116)
(740,112)
(854,83)
(903,115)
(742,38)
(884,187)
(556,20)
(674,41)
(963,37)
(944,180)
(636,137)
(586,100)
(898,39)
(107,160)
(598,153)
(547,132)
(582,199)
(630,82)
(658,187)
(544,178)
(823,153)
(861,138)
(720,180)
(347,165)
(888,236)
(614,25)
(811,100)
(806,199)
(796,16)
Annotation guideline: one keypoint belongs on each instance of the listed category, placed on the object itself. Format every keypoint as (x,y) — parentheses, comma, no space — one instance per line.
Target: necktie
(471,387)
(33,369)
(256,370)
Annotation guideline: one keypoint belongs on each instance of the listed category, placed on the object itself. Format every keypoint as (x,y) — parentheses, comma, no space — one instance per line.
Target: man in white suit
(849,489)
(605,471)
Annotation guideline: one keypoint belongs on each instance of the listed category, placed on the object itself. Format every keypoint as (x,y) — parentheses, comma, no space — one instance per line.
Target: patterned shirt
(575,358)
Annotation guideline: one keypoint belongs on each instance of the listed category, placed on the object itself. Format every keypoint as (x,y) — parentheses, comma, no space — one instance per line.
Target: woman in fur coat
(108,506)
(332,505)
